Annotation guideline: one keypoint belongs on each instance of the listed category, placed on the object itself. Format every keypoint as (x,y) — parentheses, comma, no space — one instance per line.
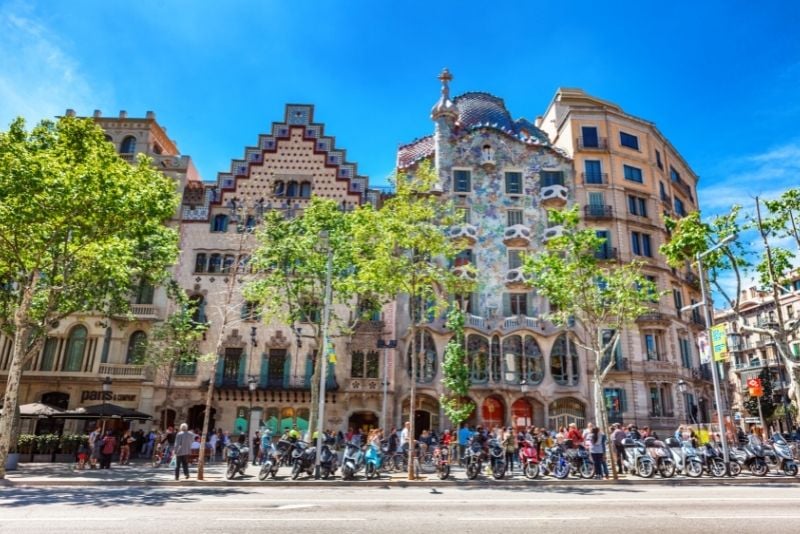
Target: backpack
(109,444)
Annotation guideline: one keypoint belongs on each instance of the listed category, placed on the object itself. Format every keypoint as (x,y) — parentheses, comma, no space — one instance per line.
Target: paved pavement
(142,474)
(388,509)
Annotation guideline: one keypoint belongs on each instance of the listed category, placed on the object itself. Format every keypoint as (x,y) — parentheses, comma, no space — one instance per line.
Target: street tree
(455,371)
(775,223)
(765,400)
(410,255)
(601,300)
(79,229)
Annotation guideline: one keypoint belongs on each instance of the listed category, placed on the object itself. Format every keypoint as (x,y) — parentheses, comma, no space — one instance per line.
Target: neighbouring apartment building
(751,354)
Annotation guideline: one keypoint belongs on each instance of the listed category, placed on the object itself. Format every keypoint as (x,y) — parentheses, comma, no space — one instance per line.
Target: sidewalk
(143,474)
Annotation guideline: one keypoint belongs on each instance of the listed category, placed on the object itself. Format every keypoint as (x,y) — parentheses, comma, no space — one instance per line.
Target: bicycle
(162,456)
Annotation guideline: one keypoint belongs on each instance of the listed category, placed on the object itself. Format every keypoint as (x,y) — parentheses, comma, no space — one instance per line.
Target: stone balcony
(553,195)
(464,232)
(123,371)
(516,278)
(517,235)
(553,232)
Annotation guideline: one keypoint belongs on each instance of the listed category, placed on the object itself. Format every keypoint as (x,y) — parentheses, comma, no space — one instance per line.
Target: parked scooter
(712,460)
(238,455)
(580,462)
(555,463)
(441,458)
(373,460)
(783,453)
(685,457)
(303,459)
(497,458)
(529,459)
(750,455)
(657,450)
(474,460)
(269,467)
(352,461)
(636,460)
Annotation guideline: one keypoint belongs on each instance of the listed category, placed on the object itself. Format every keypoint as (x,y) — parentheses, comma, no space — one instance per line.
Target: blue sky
(721,79)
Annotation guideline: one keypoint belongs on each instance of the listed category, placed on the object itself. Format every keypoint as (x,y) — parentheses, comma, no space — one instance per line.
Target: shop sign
(106,396)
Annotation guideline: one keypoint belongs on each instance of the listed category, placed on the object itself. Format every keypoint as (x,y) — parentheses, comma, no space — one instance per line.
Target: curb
(401,483)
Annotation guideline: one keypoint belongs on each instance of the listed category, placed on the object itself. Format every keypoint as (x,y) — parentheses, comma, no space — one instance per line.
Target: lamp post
(709,323)
(252,384)
(106,390)
(385,345)
(326,314)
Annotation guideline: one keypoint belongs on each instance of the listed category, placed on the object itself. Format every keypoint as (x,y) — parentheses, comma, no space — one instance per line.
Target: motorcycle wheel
(561,470)
(473,468)
(667,468)
(646,469)
(296,470)
(694,468)
(231,471)
(759,467)
(369,471)
(790,469)
(586,469)
(499,470)
(735,468)
(531,470)
(264,472)
(444,471)
(347,473)
(717,467)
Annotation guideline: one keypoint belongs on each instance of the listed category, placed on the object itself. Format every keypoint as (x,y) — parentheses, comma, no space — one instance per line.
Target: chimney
(97,114)
(70,112)
(150,115)
(123,114)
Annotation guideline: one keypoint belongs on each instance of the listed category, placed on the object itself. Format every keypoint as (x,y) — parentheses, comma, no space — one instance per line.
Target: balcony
(653,317)
(115,370)
(594,178)
(606,254)
(144,311)
(520,321)
(463,232)
(692,279)
(517,235)
(663,414)
(593,143)
(620,365)
(767,322)
(465,272)
(517,278)
(553,195)
(553,232)
(593,211)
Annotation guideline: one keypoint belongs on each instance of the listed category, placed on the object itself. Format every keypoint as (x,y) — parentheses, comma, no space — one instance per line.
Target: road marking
(59,519)
(295,519)
(572,499)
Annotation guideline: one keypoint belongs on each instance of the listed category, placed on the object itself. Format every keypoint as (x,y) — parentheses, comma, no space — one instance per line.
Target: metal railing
(606,254)
(595,211)
(118,370)
(594,178)
(594,143)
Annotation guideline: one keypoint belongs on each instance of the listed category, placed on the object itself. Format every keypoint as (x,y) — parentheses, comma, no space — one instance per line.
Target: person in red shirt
(574,435)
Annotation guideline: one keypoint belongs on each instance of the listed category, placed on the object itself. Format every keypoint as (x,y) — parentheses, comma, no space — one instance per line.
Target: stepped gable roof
(409,154)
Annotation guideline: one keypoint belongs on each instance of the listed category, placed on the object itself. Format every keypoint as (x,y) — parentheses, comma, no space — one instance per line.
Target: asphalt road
(770,508)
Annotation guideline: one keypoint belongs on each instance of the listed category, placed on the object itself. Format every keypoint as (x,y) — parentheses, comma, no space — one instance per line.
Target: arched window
(533,367)
(49,354)
(200,261)
(512,359)
(128,145)
(305,189)
(478,358)
(426,357)
(563,362)
(76,346)
(291,190)
(220,223)
(228,262)
(279,189)
(215,263)
(565,411)
(136,347)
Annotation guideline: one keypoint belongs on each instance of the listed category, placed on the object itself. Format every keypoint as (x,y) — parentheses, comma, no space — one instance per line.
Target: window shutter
(309,371)
(242,378)
(506,305)
(220,370)
(475,304)
(263,373)
(623,401)
(287,370)
(244,311)
(530,297)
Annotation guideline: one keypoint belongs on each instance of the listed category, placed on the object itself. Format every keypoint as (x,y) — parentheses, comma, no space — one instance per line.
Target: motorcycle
(474,460)
(657,450)
(636,460)
(269,467)
(303,459)
(352,461)
(555,463)
(685,458)
(750,455)
(237,460)
(497,458)
(529,459)
(714,464)
(580,461)
(373,461)
(441,459)
(783,453)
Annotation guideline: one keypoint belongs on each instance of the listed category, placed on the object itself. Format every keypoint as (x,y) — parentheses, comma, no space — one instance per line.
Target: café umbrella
(105,411)
(37,410)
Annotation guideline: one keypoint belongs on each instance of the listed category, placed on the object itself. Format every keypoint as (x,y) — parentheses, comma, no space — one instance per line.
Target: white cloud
(740,180)
(38,77)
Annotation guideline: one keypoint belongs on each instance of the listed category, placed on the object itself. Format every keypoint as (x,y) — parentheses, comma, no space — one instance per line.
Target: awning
(104,411)
(37,410)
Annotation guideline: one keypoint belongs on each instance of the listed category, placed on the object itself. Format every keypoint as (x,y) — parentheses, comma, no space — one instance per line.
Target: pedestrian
(109,445)
(574,435)
(464,435)
(256,447)
(404,435)
(125,448)
(616,439)
(510,447)
(95,444)
(83,455)
(149,444)
(183,448)
(598,450)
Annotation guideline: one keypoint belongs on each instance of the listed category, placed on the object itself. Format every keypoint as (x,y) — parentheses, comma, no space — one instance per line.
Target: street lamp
(385,345)
(252,384)
(106,391)
(709,323)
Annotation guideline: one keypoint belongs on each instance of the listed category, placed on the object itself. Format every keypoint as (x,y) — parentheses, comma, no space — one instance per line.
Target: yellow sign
(331,353)
(719,342)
